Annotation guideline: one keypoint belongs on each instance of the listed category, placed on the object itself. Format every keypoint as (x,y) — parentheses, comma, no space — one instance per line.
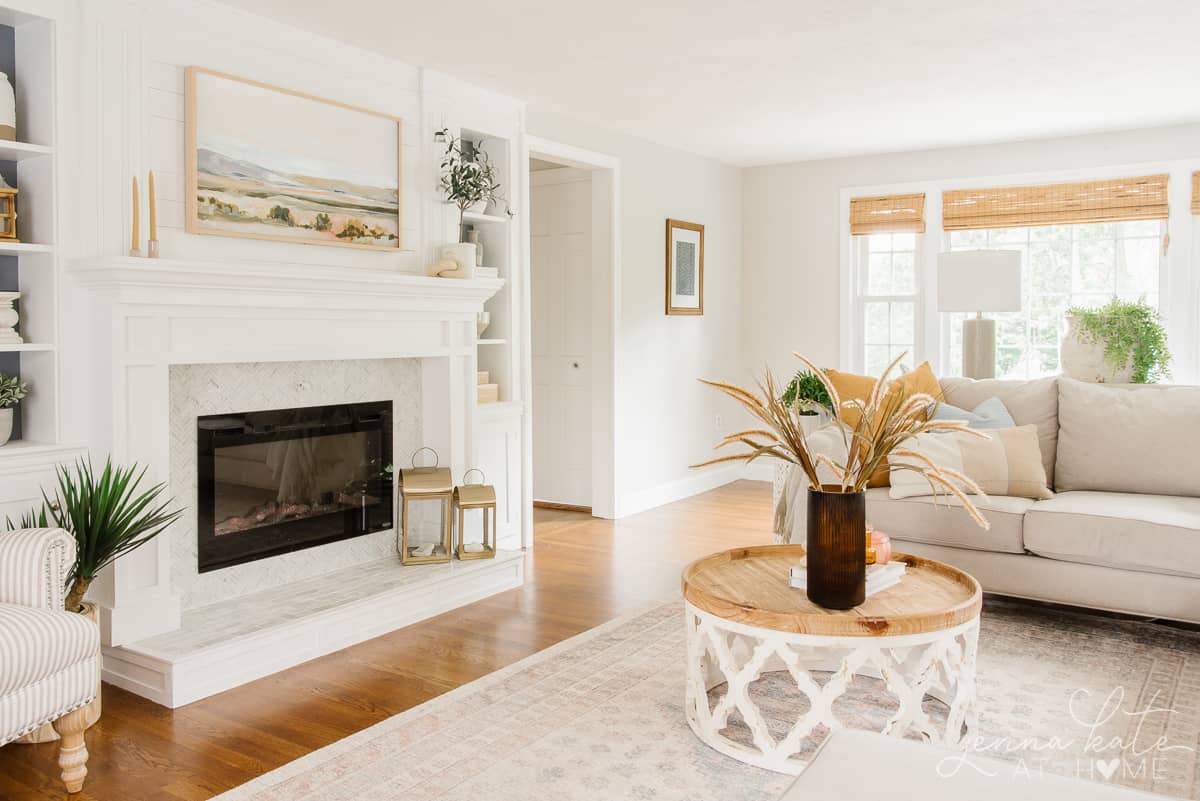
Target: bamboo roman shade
(1196,193)
(887,214)
(1112,200)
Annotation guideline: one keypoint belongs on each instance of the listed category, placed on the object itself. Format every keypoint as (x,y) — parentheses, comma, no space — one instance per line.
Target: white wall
(666,420)
(793,231)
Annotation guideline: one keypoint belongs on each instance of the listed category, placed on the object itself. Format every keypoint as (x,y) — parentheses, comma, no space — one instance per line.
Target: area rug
(600,716)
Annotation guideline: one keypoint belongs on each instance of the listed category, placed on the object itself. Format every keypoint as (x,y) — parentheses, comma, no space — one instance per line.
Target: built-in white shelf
(29,447)
(491,342)
(24,247)
(24,347)
(476,217)
(19,151)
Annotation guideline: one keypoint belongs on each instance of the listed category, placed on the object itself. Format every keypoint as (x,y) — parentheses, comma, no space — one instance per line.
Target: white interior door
(560,265)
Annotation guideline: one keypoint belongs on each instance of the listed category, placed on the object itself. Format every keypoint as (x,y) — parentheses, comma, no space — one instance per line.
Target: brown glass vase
(836,550)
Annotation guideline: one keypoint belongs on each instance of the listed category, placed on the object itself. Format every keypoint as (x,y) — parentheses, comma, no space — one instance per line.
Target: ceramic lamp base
(979,348)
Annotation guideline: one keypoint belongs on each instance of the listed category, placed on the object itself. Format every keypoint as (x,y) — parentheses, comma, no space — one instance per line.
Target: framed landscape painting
(685,267)
(270,163)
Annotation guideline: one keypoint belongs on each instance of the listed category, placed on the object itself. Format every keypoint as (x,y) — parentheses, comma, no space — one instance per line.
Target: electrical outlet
(718,422)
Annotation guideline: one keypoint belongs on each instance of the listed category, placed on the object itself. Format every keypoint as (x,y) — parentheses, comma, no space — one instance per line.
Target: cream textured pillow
(1007,462)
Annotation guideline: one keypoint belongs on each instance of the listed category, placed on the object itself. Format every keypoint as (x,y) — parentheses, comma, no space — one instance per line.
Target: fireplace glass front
(276,481)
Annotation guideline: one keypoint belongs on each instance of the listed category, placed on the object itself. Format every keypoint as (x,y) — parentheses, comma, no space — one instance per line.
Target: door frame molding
(605,172)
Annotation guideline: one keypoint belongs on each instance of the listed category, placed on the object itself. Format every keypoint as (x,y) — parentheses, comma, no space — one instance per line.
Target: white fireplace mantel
(149,314)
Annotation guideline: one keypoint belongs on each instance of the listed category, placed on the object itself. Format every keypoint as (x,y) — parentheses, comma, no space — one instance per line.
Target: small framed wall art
(685,267)
(270,163)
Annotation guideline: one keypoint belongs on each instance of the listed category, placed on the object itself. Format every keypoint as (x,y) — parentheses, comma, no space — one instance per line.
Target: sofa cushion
(943,521)
(1128,438)
(36,643)
(1029,403)
(1151,533)
(1005,461)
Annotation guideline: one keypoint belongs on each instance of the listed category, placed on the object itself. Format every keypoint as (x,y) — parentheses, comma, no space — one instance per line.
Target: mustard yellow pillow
(850,386)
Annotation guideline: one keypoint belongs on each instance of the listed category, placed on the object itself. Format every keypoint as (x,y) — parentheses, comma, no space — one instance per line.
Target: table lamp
(979,281)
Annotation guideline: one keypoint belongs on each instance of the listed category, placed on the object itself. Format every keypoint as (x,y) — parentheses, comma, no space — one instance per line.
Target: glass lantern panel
(426,521)
(476,535)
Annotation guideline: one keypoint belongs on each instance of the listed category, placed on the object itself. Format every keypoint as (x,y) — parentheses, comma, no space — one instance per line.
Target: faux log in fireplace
(276,481)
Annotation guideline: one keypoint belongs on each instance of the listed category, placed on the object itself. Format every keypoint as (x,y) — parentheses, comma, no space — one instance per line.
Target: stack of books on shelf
(487,272)
(488,392)
(879,577)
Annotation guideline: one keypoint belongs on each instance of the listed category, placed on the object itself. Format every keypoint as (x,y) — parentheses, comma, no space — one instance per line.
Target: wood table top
(750,586)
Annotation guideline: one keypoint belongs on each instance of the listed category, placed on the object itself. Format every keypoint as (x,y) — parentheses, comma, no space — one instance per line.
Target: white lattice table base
(912,667)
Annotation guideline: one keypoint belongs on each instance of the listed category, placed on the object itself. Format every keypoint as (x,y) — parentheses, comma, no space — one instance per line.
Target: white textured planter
(6,424)
(479,206)
(463,255)
(8,109)
(1083,359)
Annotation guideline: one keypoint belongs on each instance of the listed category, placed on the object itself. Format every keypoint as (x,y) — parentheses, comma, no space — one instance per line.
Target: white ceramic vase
(8,110)
(6,424)
(1083,359)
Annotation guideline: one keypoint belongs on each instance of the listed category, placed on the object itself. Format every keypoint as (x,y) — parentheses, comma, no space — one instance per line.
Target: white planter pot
(8,110)
(463,254)
(6,424)
(811,422)
(1083,359)
(478,207)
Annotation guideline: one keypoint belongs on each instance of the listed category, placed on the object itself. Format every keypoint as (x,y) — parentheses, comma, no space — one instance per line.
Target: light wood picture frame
(685,267)
(265,162)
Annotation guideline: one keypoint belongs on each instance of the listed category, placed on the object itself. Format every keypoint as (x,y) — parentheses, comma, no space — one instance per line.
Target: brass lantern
(8,212)
(422,542)
(468,497)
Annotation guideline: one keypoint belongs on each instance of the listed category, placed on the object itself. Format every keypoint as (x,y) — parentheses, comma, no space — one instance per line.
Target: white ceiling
(783,80)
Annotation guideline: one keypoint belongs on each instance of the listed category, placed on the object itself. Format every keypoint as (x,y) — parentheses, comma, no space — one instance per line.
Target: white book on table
(879,577)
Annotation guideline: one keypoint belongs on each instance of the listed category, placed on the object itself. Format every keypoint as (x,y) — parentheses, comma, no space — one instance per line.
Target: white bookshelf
(497,234)
(31,265)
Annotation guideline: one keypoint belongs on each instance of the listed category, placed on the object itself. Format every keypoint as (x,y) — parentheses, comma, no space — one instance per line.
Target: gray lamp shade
(979,281)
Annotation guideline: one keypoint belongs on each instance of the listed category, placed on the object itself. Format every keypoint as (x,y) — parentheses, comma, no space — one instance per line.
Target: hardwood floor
(581,572)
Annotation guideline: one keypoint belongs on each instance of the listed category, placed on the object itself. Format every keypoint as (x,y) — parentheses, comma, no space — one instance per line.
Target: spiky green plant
(108,514)
(806,392)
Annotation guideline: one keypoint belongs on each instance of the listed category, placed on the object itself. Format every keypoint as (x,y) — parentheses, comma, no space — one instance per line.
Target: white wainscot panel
(499,454)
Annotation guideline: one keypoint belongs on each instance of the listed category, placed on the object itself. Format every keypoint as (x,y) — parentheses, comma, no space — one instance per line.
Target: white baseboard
(178,679)
(641,500)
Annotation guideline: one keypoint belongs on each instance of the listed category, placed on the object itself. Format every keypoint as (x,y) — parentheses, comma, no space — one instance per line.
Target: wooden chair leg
(72,752)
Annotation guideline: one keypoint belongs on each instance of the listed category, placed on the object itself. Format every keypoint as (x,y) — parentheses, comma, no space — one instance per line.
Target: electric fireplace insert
(276,481)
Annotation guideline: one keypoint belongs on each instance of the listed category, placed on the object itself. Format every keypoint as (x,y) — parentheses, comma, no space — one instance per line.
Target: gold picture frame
(287,166)
(685,267)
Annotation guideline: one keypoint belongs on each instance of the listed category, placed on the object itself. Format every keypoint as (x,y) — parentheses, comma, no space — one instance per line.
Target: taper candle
(153,215)
(137,234)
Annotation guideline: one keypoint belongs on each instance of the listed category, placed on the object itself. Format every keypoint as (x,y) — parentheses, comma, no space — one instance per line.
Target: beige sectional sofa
(1122,531)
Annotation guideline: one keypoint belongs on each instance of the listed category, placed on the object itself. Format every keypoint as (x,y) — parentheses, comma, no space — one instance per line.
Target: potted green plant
(807,395)
(1122,342)
(470,182)
(109,515)
(12,391)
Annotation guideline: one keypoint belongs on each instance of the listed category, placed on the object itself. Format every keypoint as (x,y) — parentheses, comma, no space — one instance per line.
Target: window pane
(904,241)
(902,324)
(876,324)
(881,243)
(879,274)
(1137,267)
(1096,265)
(904,274)
(1049,267)
(968,240)
(877,359)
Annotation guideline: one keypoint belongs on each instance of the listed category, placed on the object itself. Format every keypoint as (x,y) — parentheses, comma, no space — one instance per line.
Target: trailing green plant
(1130,332)
(108,514)
(466,180)
(12,390)
(806,393)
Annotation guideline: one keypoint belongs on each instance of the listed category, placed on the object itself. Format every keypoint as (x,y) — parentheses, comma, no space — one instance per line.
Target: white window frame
(1179,289)
(860,262)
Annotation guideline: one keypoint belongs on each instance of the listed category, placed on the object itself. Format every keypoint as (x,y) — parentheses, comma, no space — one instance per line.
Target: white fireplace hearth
(179,339)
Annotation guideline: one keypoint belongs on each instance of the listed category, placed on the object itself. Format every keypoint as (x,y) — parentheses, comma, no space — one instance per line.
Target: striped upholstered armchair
(48,657)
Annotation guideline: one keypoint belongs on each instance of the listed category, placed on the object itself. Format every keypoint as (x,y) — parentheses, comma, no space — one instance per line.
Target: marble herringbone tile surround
(200,389)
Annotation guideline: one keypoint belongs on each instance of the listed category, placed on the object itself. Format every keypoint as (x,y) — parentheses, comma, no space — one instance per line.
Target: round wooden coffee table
(743,620)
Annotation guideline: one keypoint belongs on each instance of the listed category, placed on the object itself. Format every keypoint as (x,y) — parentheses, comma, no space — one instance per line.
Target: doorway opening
(572,269)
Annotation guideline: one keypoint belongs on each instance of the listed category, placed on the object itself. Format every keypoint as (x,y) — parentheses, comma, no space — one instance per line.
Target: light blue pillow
(991,413)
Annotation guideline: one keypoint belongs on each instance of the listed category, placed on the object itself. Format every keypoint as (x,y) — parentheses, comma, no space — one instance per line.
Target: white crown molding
(257,284)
